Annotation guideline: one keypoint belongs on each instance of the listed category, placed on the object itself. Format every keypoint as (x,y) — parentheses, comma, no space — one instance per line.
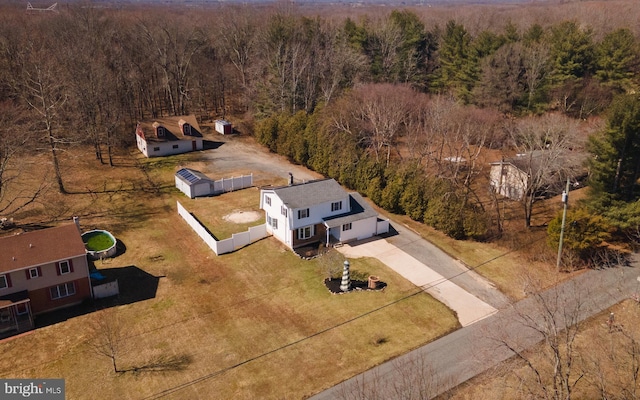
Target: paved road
(474,349)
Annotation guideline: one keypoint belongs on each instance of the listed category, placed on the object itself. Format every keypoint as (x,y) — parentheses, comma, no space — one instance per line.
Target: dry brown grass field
(600,353)
(255,323)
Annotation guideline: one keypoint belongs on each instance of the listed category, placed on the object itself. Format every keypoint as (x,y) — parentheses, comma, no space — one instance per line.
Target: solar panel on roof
(188,175)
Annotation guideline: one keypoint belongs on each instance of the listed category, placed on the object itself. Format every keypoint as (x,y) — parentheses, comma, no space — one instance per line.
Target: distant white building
(318,211)
(509,178)
(168,136)
(223,127)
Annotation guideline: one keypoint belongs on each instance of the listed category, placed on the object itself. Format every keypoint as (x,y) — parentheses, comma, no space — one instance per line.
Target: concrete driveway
(469,308)
(426,266)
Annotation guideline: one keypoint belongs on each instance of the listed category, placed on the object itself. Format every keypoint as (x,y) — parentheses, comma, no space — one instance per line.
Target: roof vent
(30,245)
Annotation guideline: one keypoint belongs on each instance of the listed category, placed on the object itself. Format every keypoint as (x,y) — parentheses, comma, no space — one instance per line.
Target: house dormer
(185,128)
(160,131)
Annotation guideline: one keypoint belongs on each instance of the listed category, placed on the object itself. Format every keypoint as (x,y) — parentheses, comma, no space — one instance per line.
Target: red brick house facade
(41,271)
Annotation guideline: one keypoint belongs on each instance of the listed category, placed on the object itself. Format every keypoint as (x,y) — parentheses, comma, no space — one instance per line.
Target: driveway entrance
(469,308)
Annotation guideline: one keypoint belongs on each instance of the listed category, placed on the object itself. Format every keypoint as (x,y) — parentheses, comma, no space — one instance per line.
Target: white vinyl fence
(106,290)
(236,241)
(230,184)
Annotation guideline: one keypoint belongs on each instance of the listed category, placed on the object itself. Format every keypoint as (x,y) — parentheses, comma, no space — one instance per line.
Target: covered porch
(15,314)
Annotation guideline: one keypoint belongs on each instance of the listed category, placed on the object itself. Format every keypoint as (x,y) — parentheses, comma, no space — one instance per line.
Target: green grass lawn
(213,212)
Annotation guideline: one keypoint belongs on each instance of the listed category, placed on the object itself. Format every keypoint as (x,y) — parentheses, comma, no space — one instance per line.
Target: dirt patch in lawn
(243,217)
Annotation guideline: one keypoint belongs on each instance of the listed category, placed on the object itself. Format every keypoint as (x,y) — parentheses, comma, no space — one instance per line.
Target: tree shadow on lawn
(162,363)
(134,285)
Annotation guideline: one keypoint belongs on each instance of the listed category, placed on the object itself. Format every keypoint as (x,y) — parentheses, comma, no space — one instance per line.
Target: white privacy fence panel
(236,241)
(106,290)
(231,184)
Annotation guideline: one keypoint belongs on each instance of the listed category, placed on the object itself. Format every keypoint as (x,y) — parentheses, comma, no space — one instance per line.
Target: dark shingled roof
(311,193)
(360,209)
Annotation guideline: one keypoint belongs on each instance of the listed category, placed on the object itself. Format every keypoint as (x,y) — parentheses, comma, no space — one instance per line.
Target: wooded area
(407,106)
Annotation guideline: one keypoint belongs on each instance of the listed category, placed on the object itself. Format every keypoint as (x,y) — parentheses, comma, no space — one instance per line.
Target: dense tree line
(611,211)
(395,105)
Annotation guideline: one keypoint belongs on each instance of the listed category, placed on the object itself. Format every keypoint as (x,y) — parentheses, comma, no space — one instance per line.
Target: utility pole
(565,201)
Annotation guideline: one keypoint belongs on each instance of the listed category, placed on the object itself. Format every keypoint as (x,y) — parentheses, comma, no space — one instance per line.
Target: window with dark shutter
(33,272)
(64,267)
(4,281)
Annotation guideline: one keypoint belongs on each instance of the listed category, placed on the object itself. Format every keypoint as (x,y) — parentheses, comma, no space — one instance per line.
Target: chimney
(76,220)
(290,179)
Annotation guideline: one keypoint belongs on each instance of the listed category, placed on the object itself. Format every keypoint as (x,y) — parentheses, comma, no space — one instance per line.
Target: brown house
(41,271)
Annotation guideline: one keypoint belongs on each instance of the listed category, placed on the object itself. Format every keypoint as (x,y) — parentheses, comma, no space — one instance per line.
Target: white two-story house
(318,212)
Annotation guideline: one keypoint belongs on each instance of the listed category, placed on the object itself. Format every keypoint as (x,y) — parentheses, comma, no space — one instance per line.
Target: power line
(422,290)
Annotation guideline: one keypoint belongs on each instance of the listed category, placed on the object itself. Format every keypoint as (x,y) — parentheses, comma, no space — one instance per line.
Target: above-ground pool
(99,244)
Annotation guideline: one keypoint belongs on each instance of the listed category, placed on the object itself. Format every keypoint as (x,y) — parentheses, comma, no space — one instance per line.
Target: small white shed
(193,183)
(224,127)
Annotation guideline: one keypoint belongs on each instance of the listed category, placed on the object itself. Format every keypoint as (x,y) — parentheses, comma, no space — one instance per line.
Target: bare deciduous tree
(107,336)
(15,137)
(549,153)
(613,363)
(383,110)
(553,317)
(413,378)
(39,84)
(174,43)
